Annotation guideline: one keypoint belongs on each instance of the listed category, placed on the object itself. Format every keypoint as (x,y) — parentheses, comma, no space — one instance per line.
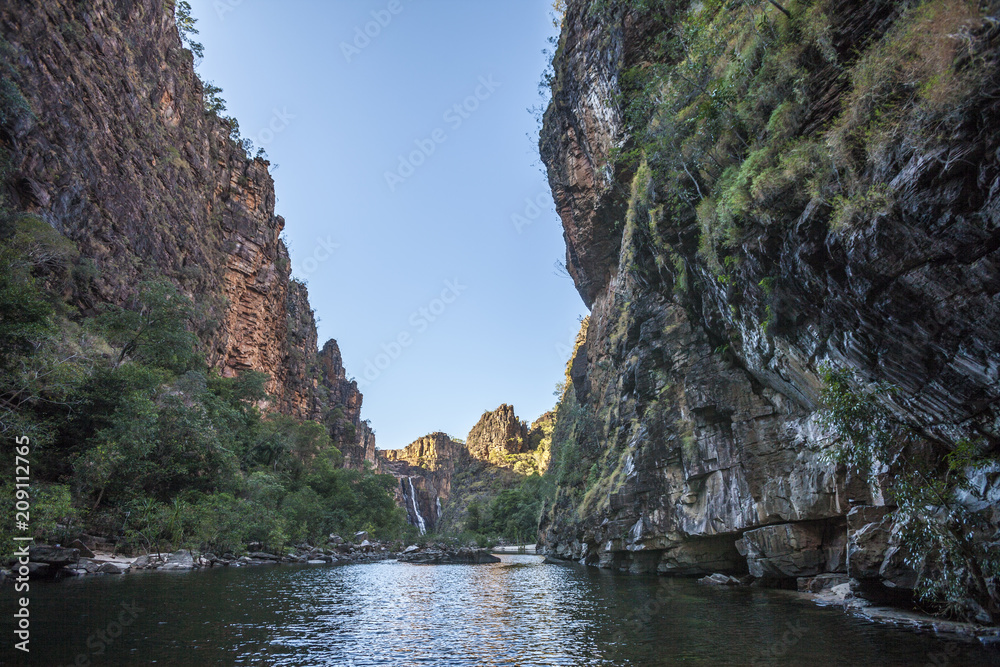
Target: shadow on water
(517,612)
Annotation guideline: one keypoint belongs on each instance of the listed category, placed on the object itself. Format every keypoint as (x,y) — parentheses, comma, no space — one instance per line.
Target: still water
(517,612)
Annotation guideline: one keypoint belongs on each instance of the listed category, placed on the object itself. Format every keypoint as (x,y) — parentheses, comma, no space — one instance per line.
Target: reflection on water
(517,612)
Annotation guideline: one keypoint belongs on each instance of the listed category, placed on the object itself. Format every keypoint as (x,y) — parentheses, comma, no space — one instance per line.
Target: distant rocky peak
(497,435)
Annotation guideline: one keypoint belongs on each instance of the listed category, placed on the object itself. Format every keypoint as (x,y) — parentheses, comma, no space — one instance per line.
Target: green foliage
(722,109)
(52,511)
(25,313)
(941,514)
(186,28)
(512,513)
(154,329)
(148,447)
(870,435)
(474,517)
(848,210)
(214,104)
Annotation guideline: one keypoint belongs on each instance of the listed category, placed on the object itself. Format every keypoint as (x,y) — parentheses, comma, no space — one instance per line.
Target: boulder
(435,556)
(838,594)
(410,549)
(336,539)
(113,568)
(179,560)
(82,548)
(787,550)
(868,530)
(821,582)
(55,556)
(89,565)
(720,580)
(894,571)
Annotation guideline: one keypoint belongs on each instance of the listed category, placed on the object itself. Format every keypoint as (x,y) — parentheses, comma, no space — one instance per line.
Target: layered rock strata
(696,393)
(114,149)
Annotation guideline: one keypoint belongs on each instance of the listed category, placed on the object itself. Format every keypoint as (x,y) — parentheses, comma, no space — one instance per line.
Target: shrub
(940,512)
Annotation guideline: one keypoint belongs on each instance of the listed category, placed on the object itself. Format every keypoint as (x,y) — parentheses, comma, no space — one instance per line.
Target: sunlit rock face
(119,154)
(693,412)
(497,434)
(424,469)
(440,476)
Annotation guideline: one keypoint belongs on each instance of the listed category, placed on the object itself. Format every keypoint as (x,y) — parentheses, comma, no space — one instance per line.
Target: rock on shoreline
(57,562)
(438,555)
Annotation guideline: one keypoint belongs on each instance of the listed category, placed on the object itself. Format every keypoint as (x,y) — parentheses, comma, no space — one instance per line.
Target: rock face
(499,451)
(115,150)
(792,550)
(498,434)
(54,556)
(424,469)
(582,126)
(692,417)
(434,452)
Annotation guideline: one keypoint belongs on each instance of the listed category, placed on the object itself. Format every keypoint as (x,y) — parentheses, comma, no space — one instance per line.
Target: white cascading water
(416,509)
(438,501)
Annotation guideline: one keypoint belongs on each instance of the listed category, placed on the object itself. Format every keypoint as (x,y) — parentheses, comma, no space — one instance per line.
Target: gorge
(784,222)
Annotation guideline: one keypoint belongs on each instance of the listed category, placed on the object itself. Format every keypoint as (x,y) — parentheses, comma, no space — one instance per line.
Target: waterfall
(416,508)
(636,532)
(438,502)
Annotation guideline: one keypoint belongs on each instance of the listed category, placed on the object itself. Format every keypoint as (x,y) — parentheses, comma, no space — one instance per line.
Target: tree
(940,513)
(24,311)
(186,28)
(154,328)
(474,520)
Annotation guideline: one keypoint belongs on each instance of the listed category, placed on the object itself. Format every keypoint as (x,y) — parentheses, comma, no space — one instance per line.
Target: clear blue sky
(335,123)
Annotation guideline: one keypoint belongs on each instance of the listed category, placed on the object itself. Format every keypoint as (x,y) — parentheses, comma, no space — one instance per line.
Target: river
(517,612)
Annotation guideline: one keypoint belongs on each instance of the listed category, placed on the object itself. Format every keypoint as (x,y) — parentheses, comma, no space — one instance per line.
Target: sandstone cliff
(439,476)
(767,214)
(498,434)
(130,166)
(425,469)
